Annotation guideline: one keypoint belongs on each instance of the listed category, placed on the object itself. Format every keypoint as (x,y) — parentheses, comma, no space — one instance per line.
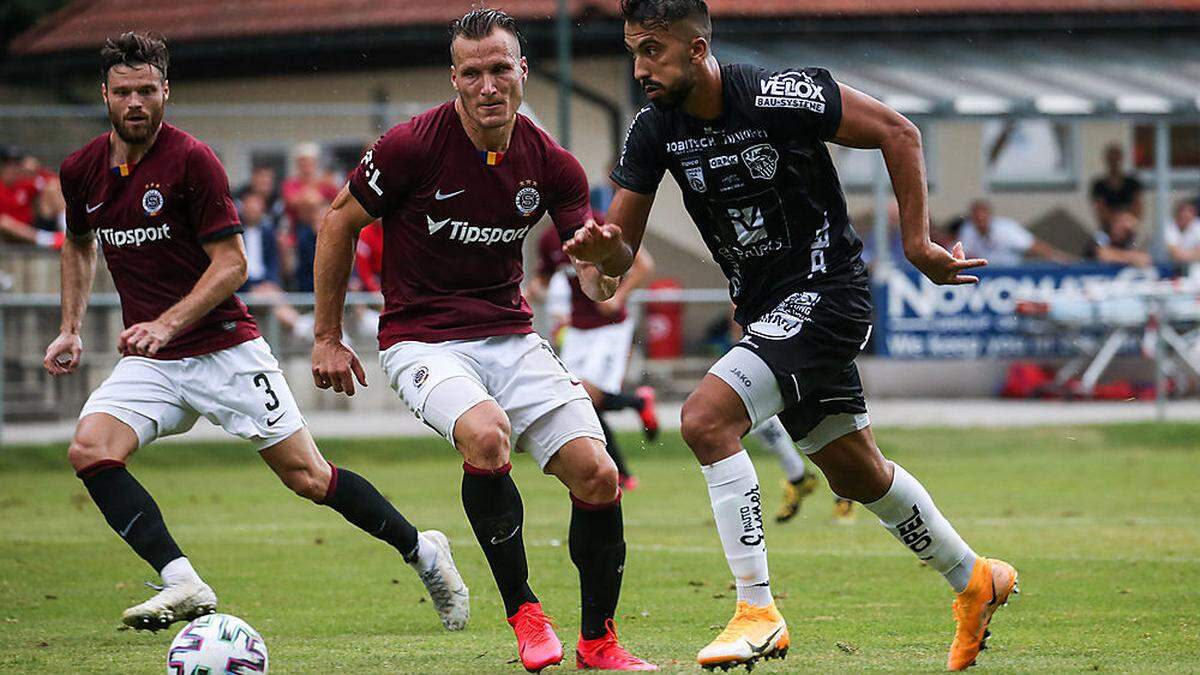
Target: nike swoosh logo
(993,600)
(439,196)
(499,540)
(92,209)
(760,649)
(271,423)
(435,225)
(130,525)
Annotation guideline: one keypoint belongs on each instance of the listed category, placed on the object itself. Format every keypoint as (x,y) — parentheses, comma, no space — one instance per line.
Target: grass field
(1103,524)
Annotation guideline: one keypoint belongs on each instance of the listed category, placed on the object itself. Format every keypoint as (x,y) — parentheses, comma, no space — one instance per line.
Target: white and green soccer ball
(217,644)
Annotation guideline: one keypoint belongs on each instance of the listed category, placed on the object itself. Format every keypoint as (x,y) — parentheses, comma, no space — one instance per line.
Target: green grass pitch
(1103,524)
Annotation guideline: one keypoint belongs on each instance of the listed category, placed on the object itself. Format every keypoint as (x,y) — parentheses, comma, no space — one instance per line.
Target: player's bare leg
(626,478)
(714,419)
(856,469)
(299,464)
(98,453)
(597,545)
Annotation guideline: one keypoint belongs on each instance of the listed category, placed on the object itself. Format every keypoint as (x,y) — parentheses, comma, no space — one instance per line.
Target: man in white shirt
(1002,241)
(1182,236)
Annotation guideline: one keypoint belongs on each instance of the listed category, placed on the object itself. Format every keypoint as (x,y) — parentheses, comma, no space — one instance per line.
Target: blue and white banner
(916,319)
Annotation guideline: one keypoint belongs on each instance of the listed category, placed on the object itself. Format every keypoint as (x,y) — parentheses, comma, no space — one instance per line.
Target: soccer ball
(216,644)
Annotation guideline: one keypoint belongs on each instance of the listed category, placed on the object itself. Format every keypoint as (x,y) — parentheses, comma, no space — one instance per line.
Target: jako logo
(134,237)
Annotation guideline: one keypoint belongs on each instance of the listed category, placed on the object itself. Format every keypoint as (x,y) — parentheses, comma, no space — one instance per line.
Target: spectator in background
(1002,241)
(1182,236)
(1116,190)
(306,195)
(264,181)
(1117,243)
(18,200)
(263,280)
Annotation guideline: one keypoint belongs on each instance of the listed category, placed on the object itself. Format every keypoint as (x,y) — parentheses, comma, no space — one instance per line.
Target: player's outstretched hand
(62,356)
(336,365)
(594,243)
(945,267)
(144,339)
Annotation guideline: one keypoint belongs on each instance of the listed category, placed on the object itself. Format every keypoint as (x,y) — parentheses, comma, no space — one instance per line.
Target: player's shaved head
(480,23)
(690,16)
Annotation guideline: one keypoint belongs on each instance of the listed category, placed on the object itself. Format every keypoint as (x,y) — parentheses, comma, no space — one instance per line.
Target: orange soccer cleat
(992,581)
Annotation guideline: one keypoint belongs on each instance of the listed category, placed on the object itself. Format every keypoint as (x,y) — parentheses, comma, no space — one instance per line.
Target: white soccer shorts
(599,355)
(520,372)
(240,388)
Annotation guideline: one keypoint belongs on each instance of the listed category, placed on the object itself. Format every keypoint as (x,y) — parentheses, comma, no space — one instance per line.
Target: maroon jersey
(454,220)
(585,312)
(151,224)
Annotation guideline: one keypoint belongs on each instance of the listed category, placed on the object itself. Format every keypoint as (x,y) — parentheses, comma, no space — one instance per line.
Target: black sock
(130,511)
(493,506)
(621,400)
(610,444)
(360,503)
(597,543)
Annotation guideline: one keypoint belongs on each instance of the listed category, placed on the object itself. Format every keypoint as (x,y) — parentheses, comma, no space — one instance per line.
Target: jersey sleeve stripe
(365,203)
(223,233)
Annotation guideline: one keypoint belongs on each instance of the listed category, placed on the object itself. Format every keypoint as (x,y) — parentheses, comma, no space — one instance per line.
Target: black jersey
(758,181)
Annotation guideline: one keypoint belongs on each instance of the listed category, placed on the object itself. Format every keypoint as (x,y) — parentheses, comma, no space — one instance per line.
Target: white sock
(178,571)
(772,434)
(427,554)
(737,509)
(908,512)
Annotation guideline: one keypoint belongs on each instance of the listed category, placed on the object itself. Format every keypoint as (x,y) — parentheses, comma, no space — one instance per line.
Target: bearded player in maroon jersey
(458,188)
(158,201)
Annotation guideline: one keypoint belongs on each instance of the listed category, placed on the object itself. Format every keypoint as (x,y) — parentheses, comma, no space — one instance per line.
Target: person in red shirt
(157,200)
(597,341)
(458,189)
(18,197)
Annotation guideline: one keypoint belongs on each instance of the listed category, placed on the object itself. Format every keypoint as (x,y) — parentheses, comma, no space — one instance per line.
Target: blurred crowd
(1122,234)
(32,210)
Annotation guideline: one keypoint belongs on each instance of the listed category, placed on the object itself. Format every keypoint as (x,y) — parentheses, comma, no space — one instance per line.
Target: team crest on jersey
(762,159)
(528,197)
(152,200)
(695,178)
(420,377)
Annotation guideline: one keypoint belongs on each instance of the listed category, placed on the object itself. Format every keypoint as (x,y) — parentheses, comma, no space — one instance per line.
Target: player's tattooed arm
(868,123)
(226,272)
(78,271)
(334,364)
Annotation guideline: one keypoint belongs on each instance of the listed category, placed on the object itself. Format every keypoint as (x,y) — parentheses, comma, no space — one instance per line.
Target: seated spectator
(1182,236)
(1002,241)
(1117,243)
(306,195)
(262,262)
(1116,190)
(264,181)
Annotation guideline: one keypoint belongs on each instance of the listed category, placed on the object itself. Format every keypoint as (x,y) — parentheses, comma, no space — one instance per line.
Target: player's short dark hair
(662,13)
(134,49)
(480,22)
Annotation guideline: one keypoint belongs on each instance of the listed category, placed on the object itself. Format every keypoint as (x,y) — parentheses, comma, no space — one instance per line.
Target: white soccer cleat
(180,602)
(446,588)
(753,633)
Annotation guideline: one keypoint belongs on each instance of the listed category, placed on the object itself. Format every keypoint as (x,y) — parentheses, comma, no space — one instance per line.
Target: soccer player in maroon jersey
(158,201)
(595,346)
(458,188)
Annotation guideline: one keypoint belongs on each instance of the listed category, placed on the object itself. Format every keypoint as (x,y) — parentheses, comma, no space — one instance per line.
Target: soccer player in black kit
(747,148)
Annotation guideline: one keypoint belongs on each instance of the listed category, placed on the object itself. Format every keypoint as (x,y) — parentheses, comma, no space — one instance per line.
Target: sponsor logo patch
(791,89)
(135,236)
(695,178)
(787,319)
(722,161)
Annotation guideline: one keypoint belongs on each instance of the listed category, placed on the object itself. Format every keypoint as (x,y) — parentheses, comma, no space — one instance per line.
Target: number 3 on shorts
(260,380)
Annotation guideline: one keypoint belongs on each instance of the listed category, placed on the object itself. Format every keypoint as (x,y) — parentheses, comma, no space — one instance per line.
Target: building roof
(84,24)
(991,76)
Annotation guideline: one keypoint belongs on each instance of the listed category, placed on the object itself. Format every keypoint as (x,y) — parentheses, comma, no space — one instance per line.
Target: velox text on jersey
(790,89)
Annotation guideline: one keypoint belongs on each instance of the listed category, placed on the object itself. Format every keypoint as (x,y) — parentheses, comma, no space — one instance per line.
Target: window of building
(1030,154)
(1185,153)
